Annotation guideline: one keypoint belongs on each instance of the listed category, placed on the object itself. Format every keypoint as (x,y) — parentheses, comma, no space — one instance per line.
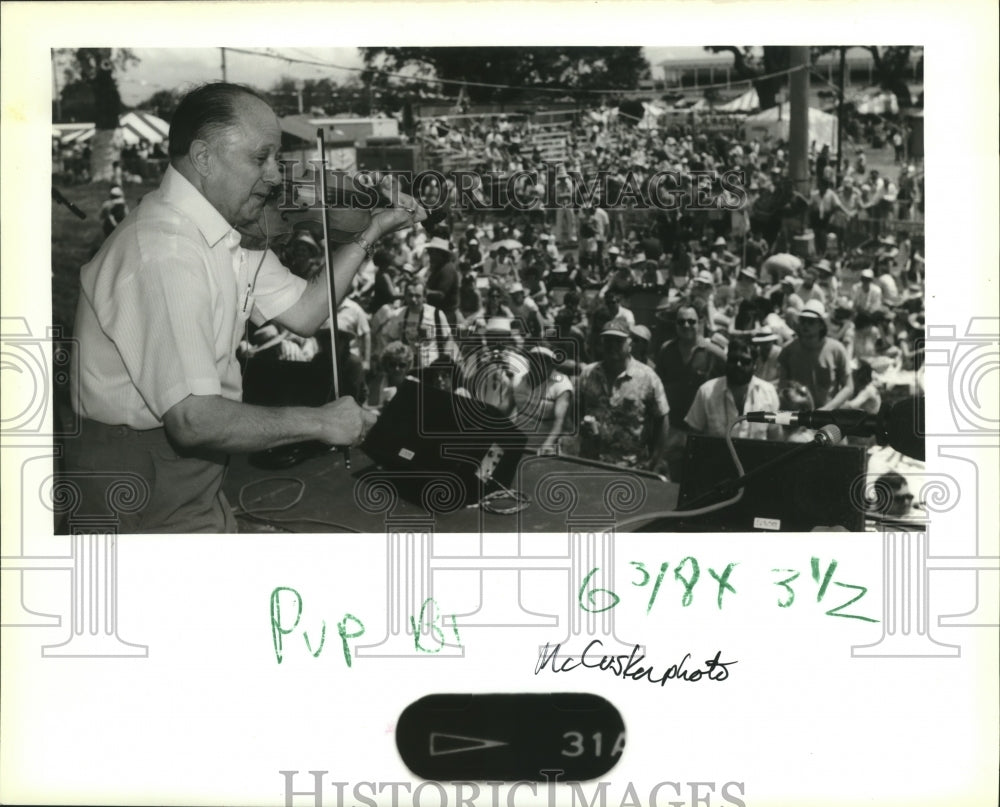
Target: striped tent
(135,126)
(75,136)
(138,126)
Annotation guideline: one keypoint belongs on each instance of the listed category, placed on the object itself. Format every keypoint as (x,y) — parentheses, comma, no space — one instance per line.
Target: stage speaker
(428,431)
(810,490)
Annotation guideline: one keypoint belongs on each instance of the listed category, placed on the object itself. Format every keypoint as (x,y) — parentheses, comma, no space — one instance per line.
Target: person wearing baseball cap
(816,360)
(604,314)
(113,210)
(623,405)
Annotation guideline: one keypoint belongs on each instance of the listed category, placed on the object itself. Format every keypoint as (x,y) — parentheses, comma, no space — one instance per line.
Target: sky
(172,68)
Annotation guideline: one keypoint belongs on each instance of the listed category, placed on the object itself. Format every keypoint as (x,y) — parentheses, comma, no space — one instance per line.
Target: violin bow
(331,288)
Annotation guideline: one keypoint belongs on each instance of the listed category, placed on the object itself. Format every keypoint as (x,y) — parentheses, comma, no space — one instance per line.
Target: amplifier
(429,431)
(810,490)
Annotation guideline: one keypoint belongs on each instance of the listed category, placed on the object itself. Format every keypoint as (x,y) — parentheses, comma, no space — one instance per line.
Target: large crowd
(612,333)
(558,290)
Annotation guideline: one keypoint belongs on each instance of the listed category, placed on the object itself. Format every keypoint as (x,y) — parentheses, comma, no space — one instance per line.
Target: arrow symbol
(442,744)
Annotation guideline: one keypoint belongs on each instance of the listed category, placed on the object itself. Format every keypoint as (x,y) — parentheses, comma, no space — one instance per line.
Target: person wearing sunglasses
(719,402)
(683,365)
(893,494)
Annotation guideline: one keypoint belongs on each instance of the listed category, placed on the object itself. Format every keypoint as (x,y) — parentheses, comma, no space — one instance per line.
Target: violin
(350,202)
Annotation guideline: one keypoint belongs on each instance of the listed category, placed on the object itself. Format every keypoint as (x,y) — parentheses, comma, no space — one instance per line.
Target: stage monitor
(808,491)
(427,431)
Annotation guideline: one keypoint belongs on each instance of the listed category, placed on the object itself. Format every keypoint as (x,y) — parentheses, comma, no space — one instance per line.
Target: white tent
(775,122)
(652,112)
(138,126)
(135,126)
(747,102)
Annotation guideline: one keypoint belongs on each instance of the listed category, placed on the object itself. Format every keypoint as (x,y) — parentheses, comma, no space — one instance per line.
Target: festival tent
(76,136)
(775,122)
(134,126)
(652,112)
(137,126)
(747,102)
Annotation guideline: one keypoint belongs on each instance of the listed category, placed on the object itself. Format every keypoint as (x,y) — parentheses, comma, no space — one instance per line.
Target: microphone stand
(58,197)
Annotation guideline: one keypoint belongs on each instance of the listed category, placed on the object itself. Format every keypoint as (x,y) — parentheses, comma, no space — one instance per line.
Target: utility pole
(798,141)
(223,50)
(840,118)
(798,119)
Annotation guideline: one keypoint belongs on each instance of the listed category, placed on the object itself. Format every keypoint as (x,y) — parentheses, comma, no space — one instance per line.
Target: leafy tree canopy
(519,69)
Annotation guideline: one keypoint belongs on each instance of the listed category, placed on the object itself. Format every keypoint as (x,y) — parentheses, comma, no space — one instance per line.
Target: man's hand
(405,211)
(344,423)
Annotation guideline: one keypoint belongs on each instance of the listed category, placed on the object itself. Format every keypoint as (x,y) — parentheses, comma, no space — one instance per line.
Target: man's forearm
(218,424)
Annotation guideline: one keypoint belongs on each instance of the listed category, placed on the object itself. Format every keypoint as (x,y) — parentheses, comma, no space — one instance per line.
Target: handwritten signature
(714,669)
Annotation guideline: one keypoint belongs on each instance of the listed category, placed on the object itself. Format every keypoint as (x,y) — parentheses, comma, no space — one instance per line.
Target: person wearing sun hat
(443,279)
(766,342)
(816,360)
(746,285)
(525,309)
(703,289)
(623,405)
(543,399)
(867,295)
(721,255)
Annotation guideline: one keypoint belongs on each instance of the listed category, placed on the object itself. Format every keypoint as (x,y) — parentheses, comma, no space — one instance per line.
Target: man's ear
(200,155)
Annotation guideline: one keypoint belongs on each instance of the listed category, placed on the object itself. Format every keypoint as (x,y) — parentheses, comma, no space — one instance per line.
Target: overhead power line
(270,54)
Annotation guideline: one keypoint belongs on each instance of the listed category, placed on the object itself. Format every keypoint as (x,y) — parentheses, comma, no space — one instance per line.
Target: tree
(161,103)
(758,65)
(97,67)
(892,67)
(283,96)
(580,70)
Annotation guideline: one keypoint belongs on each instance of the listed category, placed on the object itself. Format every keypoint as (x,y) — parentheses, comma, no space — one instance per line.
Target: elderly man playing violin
(163,307)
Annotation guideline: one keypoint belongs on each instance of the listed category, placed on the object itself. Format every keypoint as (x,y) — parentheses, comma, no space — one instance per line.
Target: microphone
(850,421)
(899,425)
(57,196)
